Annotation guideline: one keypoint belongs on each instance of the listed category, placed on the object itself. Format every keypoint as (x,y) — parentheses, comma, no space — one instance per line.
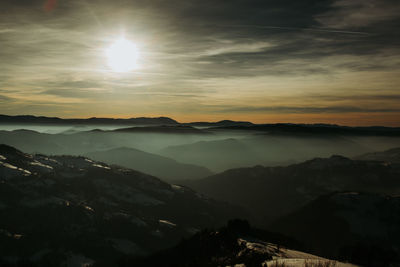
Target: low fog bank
(60,129)
(194,154)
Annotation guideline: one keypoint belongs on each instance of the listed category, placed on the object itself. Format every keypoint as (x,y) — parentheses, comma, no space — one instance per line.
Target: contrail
(296,28)
(92,13)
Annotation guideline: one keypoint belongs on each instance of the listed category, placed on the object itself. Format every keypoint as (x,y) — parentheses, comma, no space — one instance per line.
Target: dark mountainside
(270,192)
(360,227)
(226,246)
(60,209)
(162,167)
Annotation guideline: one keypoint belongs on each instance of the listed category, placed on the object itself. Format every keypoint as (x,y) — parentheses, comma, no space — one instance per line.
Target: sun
(122,55)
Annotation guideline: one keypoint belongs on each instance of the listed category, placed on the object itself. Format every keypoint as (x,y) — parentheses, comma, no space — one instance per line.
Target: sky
(265,61)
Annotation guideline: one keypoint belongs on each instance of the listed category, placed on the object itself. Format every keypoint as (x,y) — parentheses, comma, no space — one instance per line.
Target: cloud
(359,13)
(216,52)
(5,99)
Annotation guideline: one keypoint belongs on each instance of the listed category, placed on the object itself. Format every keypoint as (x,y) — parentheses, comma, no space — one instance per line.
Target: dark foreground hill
(270,192)
(360,227)
(234,245)
(62,209)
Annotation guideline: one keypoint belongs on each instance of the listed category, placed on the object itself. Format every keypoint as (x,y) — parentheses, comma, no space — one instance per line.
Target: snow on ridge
(38,163)
(167,223)
(287,257)
(88,208)
(8,165)
(101,166)
(2,157)
(12,167)
(177,188)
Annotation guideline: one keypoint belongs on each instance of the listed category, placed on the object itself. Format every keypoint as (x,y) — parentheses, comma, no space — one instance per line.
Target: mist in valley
(212,148)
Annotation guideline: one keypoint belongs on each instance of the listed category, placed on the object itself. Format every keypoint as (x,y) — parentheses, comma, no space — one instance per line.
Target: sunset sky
(264,61)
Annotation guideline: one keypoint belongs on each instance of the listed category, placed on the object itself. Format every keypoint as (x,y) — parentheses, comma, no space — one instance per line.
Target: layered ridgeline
(270,192)
(66,209)
(163,167)
(216,150)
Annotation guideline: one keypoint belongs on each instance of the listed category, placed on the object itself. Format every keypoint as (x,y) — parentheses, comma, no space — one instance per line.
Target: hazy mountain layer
(163,167)
(218,151)
(220,155)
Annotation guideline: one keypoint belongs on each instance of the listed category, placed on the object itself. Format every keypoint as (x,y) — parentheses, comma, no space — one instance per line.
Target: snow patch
(88,208)
(37,163)
(178,188)
(7,165)
(167,223)
(2,157)
(15,168)
(101,166)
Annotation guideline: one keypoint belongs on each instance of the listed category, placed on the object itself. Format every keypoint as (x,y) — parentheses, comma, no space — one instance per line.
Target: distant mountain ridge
(30,119)
(223,125)
(55,120)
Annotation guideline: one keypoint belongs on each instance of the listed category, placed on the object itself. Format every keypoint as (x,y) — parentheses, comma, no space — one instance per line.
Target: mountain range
(223,125)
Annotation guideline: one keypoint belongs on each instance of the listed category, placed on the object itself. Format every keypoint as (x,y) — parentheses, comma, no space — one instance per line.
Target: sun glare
(122,55)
